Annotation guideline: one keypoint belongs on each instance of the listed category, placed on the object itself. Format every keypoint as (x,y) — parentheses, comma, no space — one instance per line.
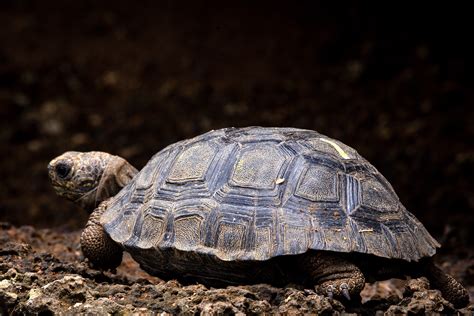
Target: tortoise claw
(345,291)
(330,291)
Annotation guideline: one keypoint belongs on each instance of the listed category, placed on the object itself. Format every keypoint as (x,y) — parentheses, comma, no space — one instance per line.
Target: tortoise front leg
(333,275)
(96,245)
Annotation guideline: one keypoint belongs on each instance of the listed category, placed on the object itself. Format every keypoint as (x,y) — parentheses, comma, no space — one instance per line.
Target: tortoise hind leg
(96,245)
(333,275)
(451,289)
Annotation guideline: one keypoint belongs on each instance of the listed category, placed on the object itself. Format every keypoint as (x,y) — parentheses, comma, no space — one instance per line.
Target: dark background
(394,82)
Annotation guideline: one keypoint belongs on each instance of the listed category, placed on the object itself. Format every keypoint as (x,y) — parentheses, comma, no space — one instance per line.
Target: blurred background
(395,83)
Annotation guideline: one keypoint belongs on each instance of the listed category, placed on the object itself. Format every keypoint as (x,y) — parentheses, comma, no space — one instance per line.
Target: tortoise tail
(451,289)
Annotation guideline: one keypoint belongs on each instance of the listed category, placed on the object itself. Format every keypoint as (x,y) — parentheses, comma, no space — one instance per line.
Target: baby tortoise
(251,205)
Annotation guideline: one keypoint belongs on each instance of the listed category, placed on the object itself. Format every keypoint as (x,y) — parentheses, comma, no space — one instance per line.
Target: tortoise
(251,205)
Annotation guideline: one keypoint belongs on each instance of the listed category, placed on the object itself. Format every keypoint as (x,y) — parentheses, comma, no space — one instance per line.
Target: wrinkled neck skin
(117,174)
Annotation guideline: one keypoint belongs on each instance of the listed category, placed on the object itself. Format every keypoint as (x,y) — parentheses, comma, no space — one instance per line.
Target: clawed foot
(337,290)
(335,277)
(331,290)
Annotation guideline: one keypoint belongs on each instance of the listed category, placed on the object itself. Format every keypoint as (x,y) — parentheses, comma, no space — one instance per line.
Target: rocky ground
(42,271)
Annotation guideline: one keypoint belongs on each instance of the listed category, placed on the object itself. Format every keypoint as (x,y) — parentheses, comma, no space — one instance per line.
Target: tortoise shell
(254,193)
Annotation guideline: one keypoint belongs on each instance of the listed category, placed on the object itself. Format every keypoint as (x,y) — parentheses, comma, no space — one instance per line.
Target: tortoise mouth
(70,193)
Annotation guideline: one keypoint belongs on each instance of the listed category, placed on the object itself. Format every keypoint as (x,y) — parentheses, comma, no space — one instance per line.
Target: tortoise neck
(117,174)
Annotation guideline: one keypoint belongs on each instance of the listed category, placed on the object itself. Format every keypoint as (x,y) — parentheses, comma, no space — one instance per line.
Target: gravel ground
(42,271)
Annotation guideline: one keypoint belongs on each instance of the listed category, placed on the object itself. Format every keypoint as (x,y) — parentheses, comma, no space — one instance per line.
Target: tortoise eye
(62,170)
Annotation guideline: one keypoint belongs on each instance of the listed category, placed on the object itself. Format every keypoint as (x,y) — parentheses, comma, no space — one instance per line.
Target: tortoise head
(89,178)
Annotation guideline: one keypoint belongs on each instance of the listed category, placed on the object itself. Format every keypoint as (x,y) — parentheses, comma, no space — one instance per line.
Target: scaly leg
(96,245)
(451,289)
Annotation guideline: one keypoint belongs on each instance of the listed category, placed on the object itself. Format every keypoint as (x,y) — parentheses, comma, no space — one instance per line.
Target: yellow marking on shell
(279,180)
(339,150)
